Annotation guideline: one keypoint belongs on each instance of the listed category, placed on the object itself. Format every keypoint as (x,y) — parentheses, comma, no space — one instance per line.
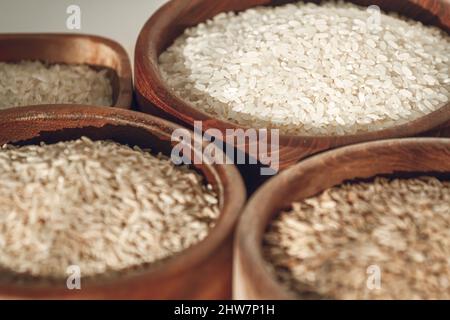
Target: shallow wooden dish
(98,52)
(203,271)
(252,279)
(155,96)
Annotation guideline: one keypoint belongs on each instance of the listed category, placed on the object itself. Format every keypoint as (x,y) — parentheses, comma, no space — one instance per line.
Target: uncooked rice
(33,82)
(328,245)
(311,69)
(102,206)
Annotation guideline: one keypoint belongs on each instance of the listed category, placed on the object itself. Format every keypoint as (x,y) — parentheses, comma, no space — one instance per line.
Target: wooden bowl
(442,131)
(202,271)
(252,278)
(155,96)
(98,52)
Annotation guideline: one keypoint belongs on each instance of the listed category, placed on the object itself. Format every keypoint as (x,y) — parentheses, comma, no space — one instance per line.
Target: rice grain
(33,82)
(325,245)
(100,205)
(310,69)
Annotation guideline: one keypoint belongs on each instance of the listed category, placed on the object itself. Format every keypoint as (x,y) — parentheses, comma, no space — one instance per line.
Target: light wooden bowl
(203,271)
(155,96)
(97,52)
(252,279)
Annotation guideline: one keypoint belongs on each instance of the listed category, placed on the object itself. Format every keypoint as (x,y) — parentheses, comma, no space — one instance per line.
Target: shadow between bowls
(95,51)
(252,276)
(202,271)
(442,131)
(156,97)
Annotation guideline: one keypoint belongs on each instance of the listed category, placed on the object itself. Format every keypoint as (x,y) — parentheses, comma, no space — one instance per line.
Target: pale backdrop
(120,20)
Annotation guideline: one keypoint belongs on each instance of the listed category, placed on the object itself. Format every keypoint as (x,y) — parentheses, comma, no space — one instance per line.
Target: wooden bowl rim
(248,245)
(160,94)
(230,186)
(124,73)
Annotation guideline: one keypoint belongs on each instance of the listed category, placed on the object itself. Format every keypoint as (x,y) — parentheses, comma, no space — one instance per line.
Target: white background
(120,20)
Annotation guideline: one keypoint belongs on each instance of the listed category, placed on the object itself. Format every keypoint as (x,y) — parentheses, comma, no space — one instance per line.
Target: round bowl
(252,277)
(97,52)
(155,96)
(202,271)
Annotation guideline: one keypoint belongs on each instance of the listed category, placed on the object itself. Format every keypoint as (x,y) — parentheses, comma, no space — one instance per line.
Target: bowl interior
(126,135)
(173,18)
(50,124)
(392,158)
(98,53)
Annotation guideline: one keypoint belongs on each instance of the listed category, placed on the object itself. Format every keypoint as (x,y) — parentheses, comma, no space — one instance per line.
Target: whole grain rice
(33,82)
(102,206)
(327,245)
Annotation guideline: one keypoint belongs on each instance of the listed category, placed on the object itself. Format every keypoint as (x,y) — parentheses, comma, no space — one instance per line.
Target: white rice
(33,82)
(99,205)
(311,69)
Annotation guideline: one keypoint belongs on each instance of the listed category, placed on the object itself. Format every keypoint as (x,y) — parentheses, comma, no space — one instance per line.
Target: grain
(310,69)
(325,244)
(99,205)
(33,82)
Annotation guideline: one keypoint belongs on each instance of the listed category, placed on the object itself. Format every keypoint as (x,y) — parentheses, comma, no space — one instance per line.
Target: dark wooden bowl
(155,96)
(442,131)
(98,52)
(397,157)
(203,271)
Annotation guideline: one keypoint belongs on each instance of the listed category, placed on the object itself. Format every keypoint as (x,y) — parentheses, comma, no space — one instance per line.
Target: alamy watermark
(215,147)
(374,19)
(73,281)
(73,21)
(374,277)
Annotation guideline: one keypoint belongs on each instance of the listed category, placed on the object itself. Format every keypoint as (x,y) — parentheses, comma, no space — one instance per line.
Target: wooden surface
(252,278)
(154,96)
(202,271)
(95,51)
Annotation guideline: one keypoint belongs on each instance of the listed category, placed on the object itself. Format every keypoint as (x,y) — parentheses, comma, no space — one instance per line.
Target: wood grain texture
(95,51)
(203,271)
(252,279)
(154,96)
